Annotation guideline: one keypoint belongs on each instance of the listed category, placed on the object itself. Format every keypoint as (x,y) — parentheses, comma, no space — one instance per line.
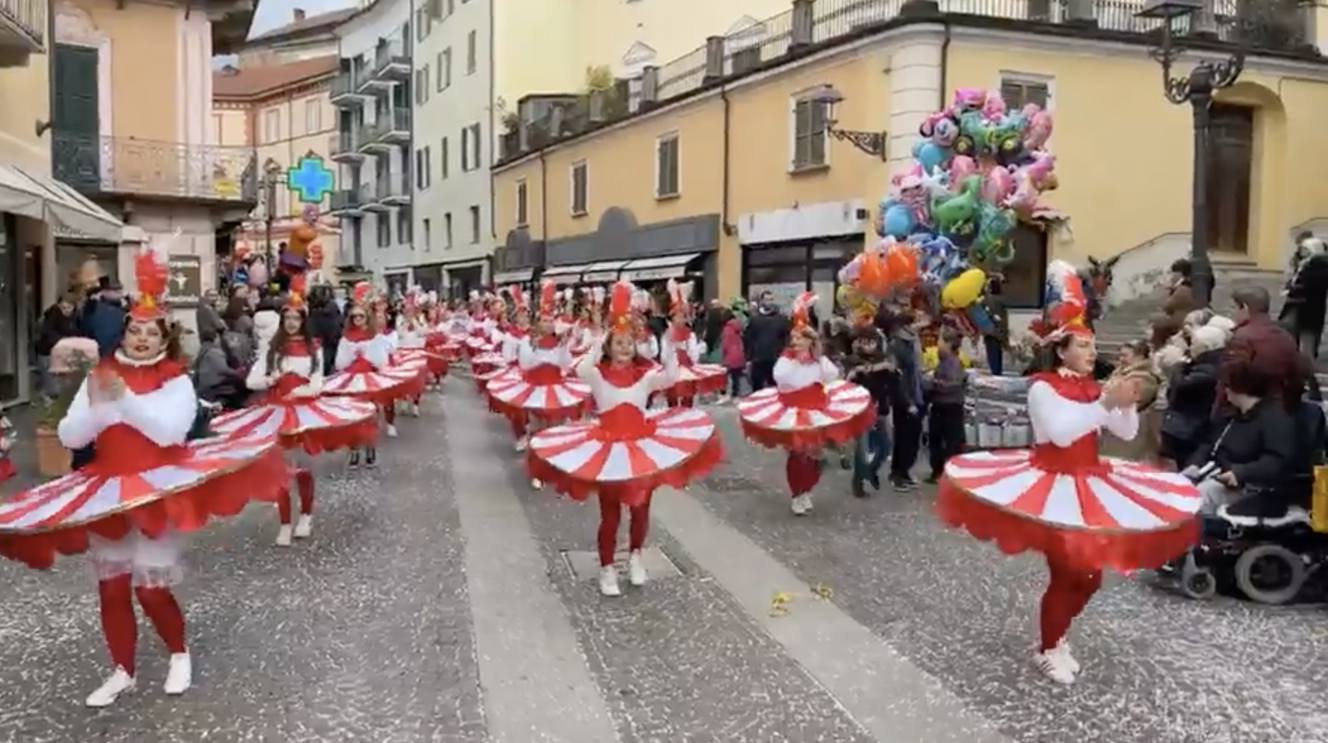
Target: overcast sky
(273,13)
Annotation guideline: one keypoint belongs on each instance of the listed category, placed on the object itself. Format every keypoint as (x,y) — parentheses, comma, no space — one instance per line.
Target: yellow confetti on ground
(780,603)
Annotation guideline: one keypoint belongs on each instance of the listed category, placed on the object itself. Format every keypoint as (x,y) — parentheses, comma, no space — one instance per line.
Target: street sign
(311,180)
(184,285)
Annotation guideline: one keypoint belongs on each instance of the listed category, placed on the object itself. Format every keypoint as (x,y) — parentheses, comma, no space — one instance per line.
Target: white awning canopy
(658,268)
(517,276)
(563,275)
(67,211)
(604,272)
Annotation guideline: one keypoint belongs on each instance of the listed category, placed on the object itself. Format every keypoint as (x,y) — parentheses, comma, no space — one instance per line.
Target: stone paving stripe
(892,699)
(536,684)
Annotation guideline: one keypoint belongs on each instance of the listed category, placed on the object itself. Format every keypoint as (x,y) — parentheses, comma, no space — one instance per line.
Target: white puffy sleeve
(346,352)
(377,351)
(257,379)
(83,421)
(785,372)
(587,369)
(1063,421)
(522,352)
(315,384)
(164,415)
(651,344)
(695,348)
(666,377)
(829,372)
(1123,423)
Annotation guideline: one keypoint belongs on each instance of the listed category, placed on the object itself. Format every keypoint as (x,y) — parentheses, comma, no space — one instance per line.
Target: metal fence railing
(29,16)
(126,165)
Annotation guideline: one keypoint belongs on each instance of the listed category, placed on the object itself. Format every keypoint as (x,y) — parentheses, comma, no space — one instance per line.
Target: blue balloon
(931,155)
(898,220)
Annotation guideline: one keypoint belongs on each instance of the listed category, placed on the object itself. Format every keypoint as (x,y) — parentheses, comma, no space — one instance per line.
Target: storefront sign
(184,285)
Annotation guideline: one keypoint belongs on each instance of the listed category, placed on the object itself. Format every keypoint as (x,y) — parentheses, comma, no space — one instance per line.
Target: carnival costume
(290,374)
(540,390)
(626,452)
(694,378)
(1085,513)
(413,333)
(808,409)
(147,486)
(365,372)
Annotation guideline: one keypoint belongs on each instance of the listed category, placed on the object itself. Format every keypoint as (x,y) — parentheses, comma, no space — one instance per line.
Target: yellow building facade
(789,203)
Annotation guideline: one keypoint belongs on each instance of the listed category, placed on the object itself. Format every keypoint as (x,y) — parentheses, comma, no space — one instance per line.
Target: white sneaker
(118,683)
(304,526)
(415,410)
(536,483)
(1054,666)
(284,535)
(180,676)
(1063,649)
(806,502)
(608,581)
(391,431)
(522,443)
(636,569)
(795,505)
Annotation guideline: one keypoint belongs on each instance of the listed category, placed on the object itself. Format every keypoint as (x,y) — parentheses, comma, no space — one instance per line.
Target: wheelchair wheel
(1270,574)
(1198,583)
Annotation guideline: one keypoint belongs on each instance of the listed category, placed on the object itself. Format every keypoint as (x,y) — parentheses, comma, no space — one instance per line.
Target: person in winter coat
(1265,345)
(1307,300)
(997,338)
(764,340)
(58,323)
(1252,449)
(869,365)
(906,401)
(1135,366)
(732,354)
(712,329)
(215,379)
(1191,395)
(104,319)
(325,321)
(1180,302)
(945,415)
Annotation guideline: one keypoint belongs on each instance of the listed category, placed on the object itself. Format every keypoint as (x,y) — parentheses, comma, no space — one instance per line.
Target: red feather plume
(150,273)
(620,306)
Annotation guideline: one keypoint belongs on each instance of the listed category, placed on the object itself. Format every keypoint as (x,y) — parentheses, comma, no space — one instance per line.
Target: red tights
(802,471)
(1067,595)
(390,413)
(518,427)
(304,482)
(120,625)
(610,515)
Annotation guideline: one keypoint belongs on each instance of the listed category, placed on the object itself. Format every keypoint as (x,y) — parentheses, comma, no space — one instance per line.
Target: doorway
(1231,154)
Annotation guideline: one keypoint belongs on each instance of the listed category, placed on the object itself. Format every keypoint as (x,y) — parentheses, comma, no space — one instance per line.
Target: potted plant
(70,361)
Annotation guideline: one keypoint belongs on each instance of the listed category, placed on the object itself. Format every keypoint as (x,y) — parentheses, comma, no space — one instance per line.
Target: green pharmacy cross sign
(311,179)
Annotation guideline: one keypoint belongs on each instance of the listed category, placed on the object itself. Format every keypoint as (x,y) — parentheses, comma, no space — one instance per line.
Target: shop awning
(516,276)
(658,268)
(604,272)
(67,211)
(562,275)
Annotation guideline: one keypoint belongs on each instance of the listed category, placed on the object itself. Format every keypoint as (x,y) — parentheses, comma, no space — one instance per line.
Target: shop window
(1027,273)
(666,166)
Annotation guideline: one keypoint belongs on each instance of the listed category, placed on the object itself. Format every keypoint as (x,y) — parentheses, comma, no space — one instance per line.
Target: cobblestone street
(441,599)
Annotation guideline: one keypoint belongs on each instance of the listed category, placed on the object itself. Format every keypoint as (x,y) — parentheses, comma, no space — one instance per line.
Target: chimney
(299,14)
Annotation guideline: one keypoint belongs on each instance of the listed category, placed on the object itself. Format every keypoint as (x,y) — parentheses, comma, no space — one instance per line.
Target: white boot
(795,505)
(304,526)
(608,581)
(415,409)
(180,676)
(391,431)
(284,535)
(536,483)
(118,683)
(1063,649)
(636,569)
(806,502)
(1054,665)
(522,443)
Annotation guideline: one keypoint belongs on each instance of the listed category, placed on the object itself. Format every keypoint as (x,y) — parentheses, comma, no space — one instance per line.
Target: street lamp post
(272,176)
(871,143)
(1196,88)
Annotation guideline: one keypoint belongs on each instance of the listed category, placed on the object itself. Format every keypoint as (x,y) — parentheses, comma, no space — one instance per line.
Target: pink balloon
(994,106)
(1038,131)
(998,186)
(961,167)
(258,274)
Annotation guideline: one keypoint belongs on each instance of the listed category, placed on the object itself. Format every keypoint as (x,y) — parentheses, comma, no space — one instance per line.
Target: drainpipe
(724,210)
(945,64)
(544,206)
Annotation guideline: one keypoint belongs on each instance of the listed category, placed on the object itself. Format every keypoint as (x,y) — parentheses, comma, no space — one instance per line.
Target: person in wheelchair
(1253,449)
(1288,504)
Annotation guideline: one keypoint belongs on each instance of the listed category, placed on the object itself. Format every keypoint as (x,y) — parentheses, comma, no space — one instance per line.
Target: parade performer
(589,332)
(647,345)
(505,368)
(1083,512)
(808,409)
(627,452)
(487,357)
(482,323)
(289,370)
(364,371)
(501,356)
(146,487)
(412,333)
(540,392)
(694,377)
(566,312)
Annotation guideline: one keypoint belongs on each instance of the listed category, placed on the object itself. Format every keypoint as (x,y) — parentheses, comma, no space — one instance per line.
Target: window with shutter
(809,134)
(521,215)
(474,224)
(579,189)
(1019,92)
(443,156)
(666,167)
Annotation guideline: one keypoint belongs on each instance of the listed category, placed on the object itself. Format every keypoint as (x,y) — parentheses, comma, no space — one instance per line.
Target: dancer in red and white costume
(647,345)
(146,488)
(412,331)
(694,378)
(289,371)
(627,452)
(364,370)
(589,331)
(540,392)
(1083,512)
(808,409)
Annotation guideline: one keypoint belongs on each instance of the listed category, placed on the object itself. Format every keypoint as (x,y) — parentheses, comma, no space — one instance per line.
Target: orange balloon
(902,264)
(874,275)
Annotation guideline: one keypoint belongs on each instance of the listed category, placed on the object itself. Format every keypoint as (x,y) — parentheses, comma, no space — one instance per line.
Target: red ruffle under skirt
(1087,549)
(265,478)
(319,440)
(632,492)
(814,439)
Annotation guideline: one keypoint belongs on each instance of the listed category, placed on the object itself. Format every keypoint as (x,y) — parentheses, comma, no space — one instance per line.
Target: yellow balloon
(963,290)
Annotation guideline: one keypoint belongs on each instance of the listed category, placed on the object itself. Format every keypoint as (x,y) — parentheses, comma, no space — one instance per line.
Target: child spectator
(869,366)
(945,421)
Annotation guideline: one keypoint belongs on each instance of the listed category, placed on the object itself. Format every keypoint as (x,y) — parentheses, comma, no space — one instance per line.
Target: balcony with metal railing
(392,59)
(390,130)
(370,201)
(394,190)
(343,147)
(167,170)
(344,92)
(22,30)
(346,203)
